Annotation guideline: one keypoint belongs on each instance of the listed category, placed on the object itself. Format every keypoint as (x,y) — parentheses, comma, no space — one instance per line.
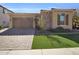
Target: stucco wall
(4,20)
(45,21)
(70,12)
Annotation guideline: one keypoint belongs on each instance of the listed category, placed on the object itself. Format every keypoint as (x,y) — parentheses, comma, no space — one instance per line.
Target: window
(1,10)
(61,19)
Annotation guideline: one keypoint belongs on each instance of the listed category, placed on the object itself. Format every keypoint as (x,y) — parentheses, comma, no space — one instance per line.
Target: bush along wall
(0,27)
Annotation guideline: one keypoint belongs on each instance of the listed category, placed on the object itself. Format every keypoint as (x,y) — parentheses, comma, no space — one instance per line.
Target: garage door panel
(22,22)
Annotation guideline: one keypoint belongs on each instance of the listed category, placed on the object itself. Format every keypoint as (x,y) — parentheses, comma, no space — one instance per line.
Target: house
(4,17)
(46,19)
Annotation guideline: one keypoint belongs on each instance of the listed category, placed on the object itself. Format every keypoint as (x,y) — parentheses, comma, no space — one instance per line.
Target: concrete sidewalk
(60,51)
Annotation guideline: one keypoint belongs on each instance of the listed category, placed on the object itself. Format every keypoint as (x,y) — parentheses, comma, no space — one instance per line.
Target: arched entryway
(36,23)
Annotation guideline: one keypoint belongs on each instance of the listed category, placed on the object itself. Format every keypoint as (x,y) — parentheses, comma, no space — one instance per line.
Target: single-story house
(46,19)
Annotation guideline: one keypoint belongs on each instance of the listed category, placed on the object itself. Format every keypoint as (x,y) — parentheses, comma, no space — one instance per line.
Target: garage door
(23,22)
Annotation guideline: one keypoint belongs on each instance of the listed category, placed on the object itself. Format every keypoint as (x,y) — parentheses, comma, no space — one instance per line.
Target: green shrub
(38,28)
(68,30)
(59,29)
(0,27)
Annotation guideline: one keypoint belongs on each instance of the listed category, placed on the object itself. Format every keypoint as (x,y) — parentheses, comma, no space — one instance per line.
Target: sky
(36,7)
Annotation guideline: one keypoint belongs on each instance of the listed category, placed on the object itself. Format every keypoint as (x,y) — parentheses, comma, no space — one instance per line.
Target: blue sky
(36,7)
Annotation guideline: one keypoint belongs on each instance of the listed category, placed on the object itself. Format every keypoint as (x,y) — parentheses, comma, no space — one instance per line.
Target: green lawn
(55,41)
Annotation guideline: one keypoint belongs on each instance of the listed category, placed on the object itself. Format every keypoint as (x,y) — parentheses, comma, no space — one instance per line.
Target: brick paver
(16,39)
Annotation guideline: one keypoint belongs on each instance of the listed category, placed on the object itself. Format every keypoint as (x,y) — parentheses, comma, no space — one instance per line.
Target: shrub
(38,28)
(0,27)
(59,29)
(68,30)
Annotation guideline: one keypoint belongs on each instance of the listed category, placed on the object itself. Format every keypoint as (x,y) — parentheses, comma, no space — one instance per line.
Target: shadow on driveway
(14,31)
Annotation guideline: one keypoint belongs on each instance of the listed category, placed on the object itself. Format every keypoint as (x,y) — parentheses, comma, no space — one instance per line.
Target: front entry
(37,27)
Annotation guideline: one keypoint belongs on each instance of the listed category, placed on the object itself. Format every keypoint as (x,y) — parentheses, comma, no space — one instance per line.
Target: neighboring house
(46,19)
(4,17)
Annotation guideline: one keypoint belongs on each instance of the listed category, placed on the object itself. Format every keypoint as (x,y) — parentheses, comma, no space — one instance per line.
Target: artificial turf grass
(52,41)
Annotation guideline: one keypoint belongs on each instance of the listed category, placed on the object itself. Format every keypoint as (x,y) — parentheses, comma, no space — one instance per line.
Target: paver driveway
(14,31)
(16,39)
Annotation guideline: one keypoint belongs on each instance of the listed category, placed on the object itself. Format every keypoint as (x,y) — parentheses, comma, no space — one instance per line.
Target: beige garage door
(20,22)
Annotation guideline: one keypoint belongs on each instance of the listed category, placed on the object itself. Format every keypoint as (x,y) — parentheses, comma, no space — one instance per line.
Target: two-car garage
(22,22)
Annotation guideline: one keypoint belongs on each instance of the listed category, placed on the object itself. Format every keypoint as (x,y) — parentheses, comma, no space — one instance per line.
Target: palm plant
(75,22)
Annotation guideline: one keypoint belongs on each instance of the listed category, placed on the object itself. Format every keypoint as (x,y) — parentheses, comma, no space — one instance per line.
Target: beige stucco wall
(42,20)
(45,22)
(70,12)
